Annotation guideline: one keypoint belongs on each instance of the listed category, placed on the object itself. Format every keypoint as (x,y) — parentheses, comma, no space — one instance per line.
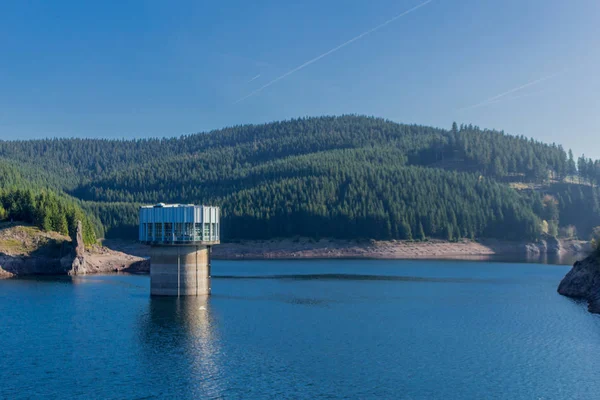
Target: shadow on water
(182,331)
(42,279)
(551,259)
(312,299)
(108,278)
(359,277)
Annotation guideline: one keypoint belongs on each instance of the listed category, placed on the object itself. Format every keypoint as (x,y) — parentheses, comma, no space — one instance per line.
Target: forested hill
(349,177)
(466,148)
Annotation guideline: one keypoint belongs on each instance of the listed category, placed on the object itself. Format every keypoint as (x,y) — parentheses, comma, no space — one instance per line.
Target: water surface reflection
(180,332)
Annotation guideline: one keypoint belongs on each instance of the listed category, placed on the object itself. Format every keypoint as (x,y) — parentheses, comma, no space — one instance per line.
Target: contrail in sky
(354,39)
(539,92)
(498,97)
(253,79)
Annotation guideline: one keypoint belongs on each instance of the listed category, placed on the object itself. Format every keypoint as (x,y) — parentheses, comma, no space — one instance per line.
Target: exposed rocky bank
(396,249)
(25,250)
(303,248)
(583,282)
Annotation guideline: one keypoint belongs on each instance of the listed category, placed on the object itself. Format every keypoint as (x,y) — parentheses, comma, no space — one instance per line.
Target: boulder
(583,282)
(553,246)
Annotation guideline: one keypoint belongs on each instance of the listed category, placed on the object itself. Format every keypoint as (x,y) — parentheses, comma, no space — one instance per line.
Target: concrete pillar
(180,270)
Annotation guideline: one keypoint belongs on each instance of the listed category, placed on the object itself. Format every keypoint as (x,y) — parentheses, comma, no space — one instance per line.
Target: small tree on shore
(421,233)
(569,232)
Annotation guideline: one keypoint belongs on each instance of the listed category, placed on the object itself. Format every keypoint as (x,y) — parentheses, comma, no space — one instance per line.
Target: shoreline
(116,256)
(290,249)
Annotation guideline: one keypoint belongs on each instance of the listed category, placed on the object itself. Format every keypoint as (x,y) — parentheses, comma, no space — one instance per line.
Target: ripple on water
(312,329)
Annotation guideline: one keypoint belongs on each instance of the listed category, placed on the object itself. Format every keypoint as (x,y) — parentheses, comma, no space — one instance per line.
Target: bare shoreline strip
(434,249)
(303,248)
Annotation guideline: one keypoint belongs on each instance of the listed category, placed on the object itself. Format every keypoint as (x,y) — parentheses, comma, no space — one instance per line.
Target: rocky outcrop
(5,274)
(583,282)
(30,265)
(29,251)
(548,245)
(98,260)
(76,263)
(25,250)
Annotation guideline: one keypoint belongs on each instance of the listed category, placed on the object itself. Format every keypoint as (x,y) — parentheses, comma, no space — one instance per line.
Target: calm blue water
(304,329)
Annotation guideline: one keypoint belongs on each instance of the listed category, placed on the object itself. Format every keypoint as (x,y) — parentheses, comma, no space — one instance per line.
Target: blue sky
(153,68)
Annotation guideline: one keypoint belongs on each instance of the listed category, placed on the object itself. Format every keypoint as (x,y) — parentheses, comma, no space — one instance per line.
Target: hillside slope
(344,177)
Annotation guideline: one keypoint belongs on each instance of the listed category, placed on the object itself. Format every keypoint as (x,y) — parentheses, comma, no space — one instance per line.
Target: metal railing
(183,239)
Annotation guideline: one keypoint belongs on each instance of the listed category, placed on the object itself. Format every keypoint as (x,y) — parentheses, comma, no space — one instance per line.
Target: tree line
(71,162)
(588,170)
(48,211)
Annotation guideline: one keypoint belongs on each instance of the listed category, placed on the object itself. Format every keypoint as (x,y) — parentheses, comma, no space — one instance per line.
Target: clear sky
(155,68)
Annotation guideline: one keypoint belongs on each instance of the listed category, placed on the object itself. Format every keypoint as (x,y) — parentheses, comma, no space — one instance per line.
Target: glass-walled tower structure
(174,224)
(180,237)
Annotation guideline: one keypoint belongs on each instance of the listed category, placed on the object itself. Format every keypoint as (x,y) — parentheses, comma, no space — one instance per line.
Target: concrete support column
(180,270)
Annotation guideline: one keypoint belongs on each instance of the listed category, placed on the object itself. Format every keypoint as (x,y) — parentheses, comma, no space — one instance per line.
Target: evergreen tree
(422,236)
(572,167)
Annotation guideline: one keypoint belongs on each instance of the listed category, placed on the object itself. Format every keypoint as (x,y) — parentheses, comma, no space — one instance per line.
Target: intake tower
(180,237)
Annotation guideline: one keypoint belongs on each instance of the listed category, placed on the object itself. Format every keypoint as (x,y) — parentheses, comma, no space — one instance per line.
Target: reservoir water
(304,329)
